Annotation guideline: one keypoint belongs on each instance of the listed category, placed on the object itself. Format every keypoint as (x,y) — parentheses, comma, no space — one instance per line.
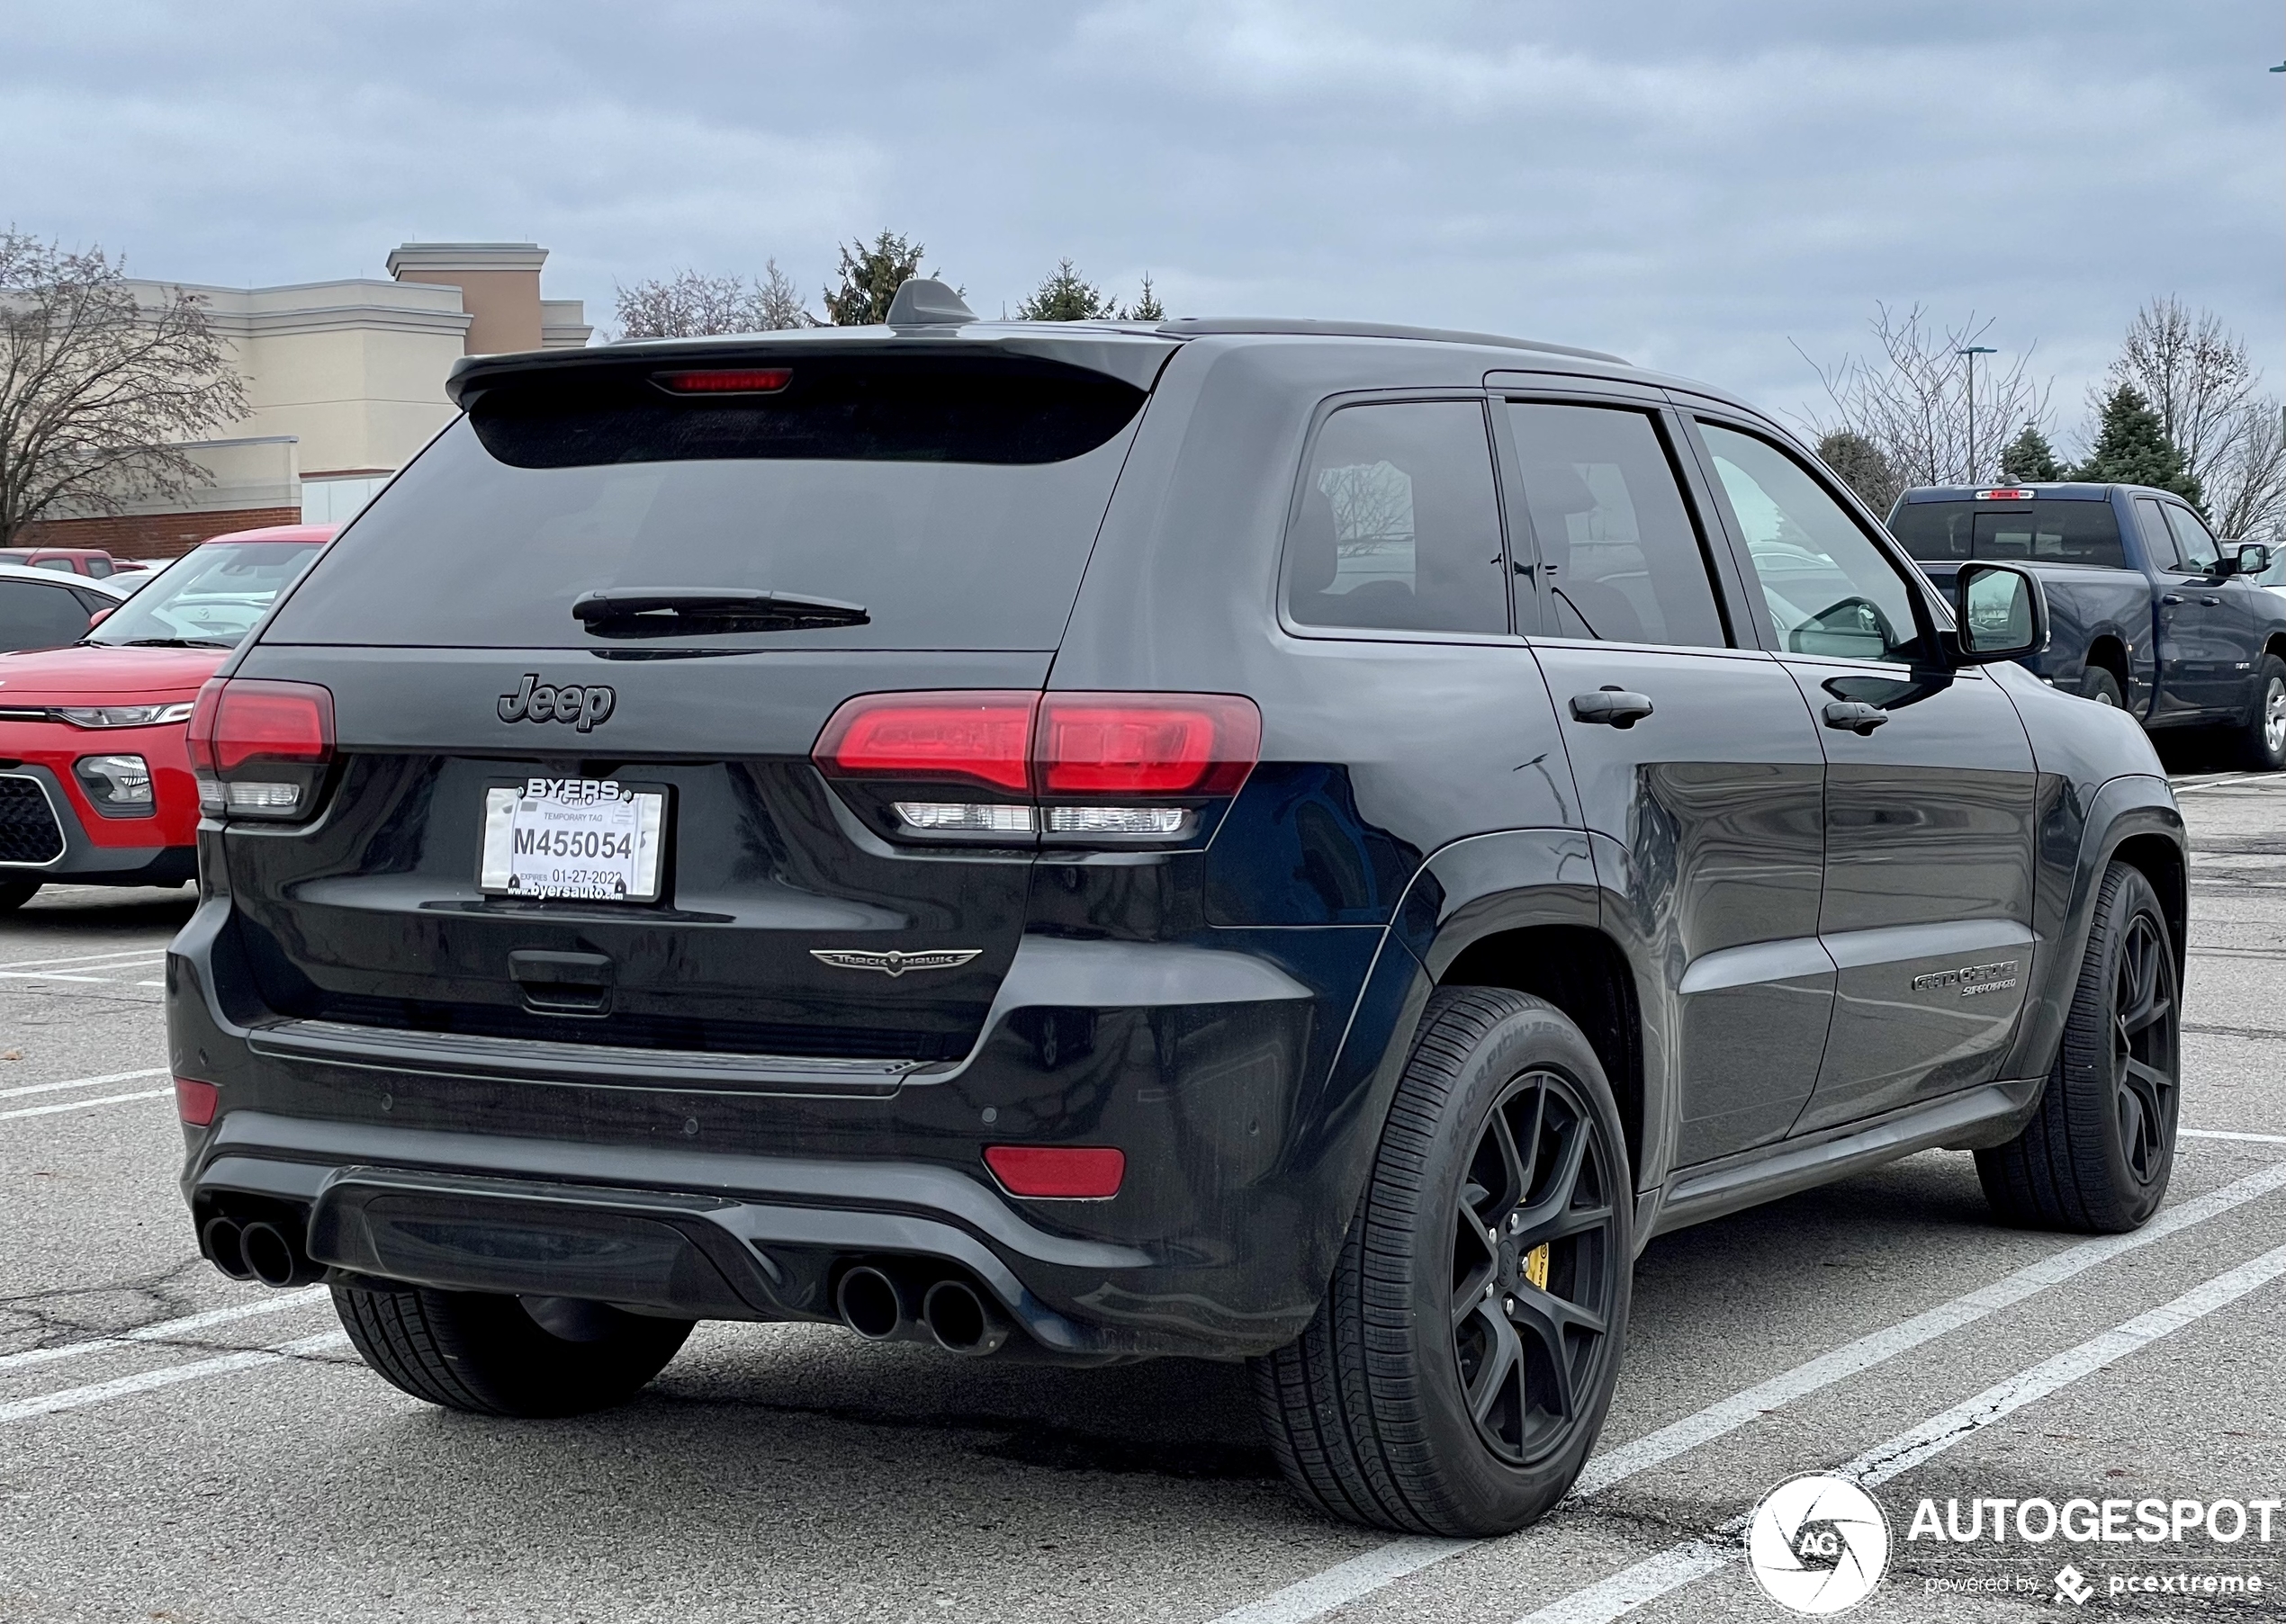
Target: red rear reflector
(237,720)
(1147,744)
(980,738)
(1088,1172)
(752,380)
(2006,495)
(195,1102)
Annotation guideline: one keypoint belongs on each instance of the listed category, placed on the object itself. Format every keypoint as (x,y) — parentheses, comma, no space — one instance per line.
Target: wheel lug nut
(1508,1304)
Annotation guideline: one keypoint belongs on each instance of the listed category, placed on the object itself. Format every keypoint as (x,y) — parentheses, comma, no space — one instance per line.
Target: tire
(488,1354)
(1369,1412)
(2101,686)
(2262,741)
(15,894)
(2097,1154)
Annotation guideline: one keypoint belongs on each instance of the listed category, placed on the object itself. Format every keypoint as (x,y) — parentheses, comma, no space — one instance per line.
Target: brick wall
(150,534)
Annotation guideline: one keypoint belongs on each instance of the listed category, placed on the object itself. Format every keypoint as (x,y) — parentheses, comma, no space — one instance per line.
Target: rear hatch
(2024,525)
(749,537)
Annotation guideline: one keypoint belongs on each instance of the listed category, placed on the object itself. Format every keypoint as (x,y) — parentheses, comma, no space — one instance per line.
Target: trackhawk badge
(894,963)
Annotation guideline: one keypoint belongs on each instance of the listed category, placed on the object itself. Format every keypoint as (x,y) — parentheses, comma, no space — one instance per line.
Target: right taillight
(1071,768)
(260,748)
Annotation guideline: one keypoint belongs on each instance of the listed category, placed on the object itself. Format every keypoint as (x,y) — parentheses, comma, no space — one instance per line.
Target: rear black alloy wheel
(1535,1259)
(1459,1368)
(2098,1153)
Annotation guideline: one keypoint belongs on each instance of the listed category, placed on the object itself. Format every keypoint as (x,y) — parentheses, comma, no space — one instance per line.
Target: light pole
(1972,352)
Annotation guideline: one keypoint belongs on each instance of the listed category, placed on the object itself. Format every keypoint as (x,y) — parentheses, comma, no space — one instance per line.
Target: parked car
(95,785)
(2151,612)
(1270,841)
(92,563)
(40,611)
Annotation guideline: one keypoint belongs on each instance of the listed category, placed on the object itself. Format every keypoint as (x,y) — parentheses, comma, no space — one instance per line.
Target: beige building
(345,381)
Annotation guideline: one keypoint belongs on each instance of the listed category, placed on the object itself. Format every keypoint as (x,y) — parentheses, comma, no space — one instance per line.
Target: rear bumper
(721,1187)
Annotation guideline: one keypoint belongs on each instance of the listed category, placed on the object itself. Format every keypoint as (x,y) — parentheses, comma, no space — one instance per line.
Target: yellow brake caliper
(1535,1266)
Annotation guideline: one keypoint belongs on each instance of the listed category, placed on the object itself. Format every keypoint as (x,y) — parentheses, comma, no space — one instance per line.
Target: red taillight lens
(1147,744)
(238,719)
(1073,1172)
(195,1102)
(723,381)
(978,738)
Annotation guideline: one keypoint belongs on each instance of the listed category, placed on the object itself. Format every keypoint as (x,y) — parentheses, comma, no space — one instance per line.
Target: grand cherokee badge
(894,964)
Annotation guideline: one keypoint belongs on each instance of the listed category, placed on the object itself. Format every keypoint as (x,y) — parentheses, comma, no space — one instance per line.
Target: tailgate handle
(577,982)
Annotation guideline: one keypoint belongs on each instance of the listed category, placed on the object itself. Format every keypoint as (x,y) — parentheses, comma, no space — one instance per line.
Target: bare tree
(691,304)
(1915,403)
(2198,377)
(98,390)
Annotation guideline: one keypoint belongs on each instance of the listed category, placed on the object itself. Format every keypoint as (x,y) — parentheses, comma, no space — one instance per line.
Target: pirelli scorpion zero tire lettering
(2097,1154)
(493,1355)
(1458,1370)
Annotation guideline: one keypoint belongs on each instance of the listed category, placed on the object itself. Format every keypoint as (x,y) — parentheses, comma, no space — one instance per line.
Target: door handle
(1854,715)
(2171,600)
(2210,602)
(1614,706)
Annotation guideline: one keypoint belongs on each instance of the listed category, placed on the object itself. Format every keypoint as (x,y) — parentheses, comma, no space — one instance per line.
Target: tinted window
(1830,589)
(33,615)
(2193,540)
(2158,541)
(956,522)
(1399,523)
(209,597)
(1620,558)
(2062,533)
(63,564)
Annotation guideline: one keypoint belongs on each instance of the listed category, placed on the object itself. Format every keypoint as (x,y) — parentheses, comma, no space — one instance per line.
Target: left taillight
(260,748)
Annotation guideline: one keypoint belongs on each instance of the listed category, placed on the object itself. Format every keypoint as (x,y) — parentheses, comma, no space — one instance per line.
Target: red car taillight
(282,730)
(1075,766)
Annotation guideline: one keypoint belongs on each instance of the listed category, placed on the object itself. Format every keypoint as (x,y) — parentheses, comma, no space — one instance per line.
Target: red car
(89,561)
(96,788)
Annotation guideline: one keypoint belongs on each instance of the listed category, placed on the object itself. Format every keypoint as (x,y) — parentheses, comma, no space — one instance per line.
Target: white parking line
(74,1398)
(83,1082)
(83,1105)
(91,960)
(190,1325)
(2216,1133)
(1300,1601)
(53,975)
(1677,1565)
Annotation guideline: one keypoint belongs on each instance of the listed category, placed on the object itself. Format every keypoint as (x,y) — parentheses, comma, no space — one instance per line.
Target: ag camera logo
(1817,1544)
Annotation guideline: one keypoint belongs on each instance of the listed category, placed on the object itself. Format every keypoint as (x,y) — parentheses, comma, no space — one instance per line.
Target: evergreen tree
(1147,307)
(1066,296)
(2030,457)
(2132,448)
(1862,465)
(870,276)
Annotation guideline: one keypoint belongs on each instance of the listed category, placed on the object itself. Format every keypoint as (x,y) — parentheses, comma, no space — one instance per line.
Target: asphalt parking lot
(177,1447)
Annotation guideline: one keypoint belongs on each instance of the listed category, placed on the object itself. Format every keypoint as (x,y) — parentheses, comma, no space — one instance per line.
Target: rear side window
(954,500)
(2041,530)
(1620,558)
(1399,523)
(35,615)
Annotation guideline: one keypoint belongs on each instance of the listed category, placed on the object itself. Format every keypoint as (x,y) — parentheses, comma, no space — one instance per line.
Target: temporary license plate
(592,838)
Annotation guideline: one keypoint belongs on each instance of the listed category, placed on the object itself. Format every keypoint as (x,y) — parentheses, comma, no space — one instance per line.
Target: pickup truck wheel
(493,1355)
(2096,1155)
(2101,686)
(1458,1368)
(15,894)
(2264,741)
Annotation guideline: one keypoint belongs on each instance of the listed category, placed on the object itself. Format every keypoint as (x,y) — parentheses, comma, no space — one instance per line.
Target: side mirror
(2252,558)
(2003,613)
(98,618)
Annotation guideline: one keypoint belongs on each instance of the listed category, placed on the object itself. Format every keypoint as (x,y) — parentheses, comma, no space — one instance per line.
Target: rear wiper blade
(670,611)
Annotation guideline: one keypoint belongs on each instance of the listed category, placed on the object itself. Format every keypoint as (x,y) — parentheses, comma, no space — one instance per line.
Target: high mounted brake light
(2008,494)
(719,380)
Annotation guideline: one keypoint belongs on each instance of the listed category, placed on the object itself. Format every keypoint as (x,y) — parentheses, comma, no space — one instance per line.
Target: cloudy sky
(1699,185)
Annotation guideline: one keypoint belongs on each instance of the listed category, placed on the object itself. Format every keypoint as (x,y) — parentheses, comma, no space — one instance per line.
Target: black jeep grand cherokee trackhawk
(1272,840)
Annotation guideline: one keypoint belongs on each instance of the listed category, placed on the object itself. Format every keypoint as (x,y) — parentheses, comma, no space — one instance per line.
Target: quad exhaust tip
(961,1320)
(869,1303)
(256,1250)
(953,1312)
(225,1247)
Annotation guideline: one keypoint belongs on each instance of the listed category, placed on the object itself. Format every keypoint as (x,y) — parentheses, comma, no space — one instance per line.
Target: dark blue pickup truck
(2150,611)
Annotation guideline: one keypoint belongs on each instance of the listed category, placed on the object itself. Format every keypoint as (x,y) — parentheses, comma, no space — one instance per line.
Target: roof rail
(1197,326)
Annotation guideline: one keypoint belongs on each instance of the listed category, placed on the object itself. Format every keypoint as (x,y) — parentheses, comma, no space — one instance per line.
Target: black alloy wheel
(1535,1237)
(2099,1149)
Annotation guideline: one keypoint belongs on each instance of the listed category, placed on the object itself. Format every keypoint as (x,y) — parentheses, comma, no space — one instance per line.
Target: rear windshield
(209,597)
(954,502)
(2060,533)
